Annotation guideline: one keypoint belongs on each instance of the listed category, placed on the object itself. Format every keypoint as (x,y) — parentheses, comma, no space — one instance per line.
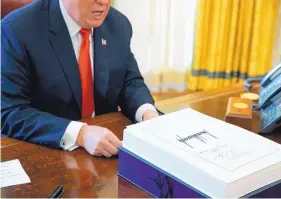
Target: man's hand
(149,114)
(98,141)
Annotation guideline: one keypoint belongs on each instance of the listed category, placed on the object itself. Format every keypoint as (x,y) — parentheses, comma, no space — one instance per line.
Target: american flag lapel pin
(103,42)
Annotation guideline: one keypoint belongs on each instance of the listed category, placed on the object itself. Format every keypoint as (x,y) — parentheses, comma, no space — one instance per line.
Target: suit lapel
(102,51)
(62,45)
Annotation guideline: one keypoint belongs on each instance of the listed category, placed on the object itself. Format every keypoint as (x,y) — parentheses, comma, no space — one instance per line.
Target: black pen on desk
(57,193)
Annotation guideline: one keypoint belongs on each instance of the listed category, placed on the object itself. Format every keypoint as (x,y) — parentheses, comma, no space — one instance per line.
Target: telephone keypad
(271,113)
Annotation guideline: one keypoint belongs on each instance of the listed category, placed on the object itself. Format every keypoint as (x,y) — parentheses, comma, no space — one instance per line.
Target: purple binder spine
(152,180)
(160,184)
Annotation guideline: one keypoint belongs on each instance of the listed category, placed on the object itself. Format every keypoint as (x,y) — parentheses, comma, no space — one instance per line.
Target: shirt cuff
(142,109)
(68,140)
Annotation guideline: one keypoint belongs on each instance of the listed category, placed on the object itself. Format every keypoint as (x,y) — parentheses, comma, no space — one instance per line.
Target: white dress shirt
(70,136)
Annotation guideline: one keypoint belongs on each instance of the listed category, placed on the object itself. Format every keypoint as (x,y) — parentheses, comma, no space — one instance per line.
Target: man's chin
(94,24)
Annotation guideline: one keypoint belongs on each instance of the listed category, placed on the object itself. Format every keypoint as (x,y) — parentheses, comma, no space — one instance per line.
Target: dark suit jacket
(41,90)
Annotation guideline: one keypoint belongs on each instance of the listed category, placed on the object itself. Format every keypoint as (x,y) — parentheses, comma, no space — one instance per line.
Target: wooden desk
(85,176)
(213,103)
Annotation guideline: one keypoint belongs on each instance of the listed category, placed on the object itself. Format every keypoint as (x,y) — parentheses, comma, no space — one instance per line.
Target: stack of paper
(12,173)
(214,157)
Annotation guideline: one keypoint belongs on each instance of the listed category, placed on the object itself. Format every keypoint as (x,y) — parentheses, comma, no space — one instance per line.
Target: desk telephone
(270,100)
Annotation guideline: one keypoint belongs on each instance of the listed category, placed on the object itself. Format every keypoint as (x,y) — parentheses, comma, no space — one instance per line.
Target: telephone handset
(270,100)
(271,75)
(270,87)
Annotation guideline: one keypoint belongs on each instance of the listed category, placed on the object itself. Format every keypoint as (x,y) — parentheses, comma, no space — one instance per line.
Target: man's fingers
(101,142)
(97,153)
(110,148)
(105,153)
(113,139)
(101,151)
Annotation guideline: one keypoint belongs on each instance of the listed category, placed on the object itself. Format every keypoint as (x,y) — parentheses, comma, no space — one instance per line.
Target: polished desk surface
(85,176)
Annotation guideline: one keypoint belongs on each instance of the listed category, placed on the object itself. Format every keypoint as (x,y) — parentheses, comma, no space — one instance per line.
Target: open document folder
(214,157)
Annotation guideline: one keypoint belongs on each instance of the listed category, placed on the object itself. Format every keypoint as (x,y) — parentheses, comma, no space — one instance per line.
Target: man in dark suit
(63,60)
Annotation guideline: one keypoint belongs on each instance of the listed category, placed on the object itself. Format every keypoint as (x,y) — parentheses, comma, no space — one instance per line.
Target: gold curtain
(234,41)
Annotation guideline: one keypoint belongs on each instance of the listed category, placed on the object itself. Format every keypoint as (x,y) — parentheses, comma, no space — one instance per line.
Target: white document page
(12,173)
(217,142)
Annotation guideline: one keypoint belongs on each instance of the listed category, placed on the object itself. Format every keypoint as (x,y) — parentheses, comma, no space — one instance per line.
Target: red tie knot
(85,32)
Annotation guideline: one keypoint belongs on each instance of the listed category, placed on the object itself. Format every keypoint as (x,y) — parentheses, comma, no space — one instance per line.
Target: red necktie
(86,75)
